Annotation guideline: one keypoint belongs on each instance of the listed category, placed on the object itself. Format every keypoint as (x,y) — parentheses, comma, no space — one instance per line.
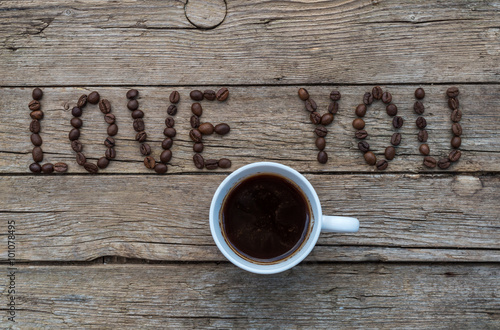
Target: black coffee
(265,218)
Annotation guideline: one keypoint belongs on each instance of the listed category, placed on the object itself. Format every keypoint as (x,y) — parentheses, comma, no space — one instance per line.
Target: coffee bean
(198,147)
(419,93)
(397,122)
(390,153)
(81,159)
(35,126)
(91,168)
(386,97)
(454,155)
(456,129)
(196,95)
(105,106)
(222,94)
(35,168)
(37,114)
(362,134)
(34,105)
(396,139)
(424,149)
(311,105)
(209,94)
(211,164)
(145,149)
(303,94)
(456,116)
(172,109)
(138,125)
(444,163)
(363,146)
(453,103)
(110,153)
(198,161)
(170,122)
(82,101)
(136,114)
(169,132)
(195,135)
(112,129)
(222,129)
(321,131)
(132,94)
(195,121)
(335,95)
(149,162)
(74,134)
(36,139)
(333,108)
(47,168)
(423,136)
(326,119)
(206,128)
(224,163)
(161,168)
(37,154)
(167,143)
(93,98)
(37,94)
(452,92)
(196,109)
(133,105)
(76,112)
(360,110)
(76,122)
(421,122)
(109,118)
(315,118)
(320,143)
(368,98)
(174,97)
(109,142)
(102,162)
(165,156)
(456,141)
(322,157)
(391,109)
(358,123)
(377,92)
(382,165)
(77,146)
(60,167)
(370,158)
(141,136)
(430,162)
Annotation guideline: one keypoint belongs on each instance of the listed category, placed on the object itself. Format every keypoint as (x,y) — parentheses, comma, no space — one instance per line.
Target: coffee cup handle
(333,224)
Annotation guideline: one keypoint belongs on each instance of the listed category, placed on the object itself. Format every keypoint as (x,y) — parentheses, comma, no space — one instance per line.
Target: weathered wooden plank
(271,42)
(268,124)
(222,296)
(69,217)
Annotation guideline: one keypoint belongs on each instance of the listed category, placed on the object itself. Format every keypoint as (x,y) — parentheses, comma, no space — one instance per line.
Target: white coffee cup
(318,223)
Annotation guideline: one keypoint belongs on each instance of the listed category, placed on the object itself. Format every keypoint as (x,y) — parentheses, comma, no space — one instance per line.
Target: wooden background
(131,249)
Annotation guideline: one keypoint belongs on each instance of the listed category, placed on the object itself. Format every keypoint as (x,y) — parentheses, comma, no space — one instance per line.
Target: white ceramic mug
(318,223)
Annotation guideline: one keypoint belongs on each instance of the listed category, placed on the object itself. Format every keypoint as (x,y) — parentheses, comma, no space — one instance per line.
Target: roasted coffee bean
(136,114)
(48,168)
(456,141)
(74,134)
(145,149)
(363,146)
(77,146)
(424,149)
(303,94)
(35,168)
(34,105)
(322,157)
(368,98)
(419,93)
(109,118)
(320,143)
(224,163)
(198,147)
(133,105)
(390,153)
(382,164)
(102,162)
(82,101)
(76,122)
(452,92)
(454,155)
(321,131)
(35,126)
(421,122)
(37,114)
(423,136)
(149,162)
(167,143)
(112,130)
(141,136)
(132,94)
(315,118)
(195,121)
(91,168)
(222,94)
(76,112)
(444,163)
(169,132)
(209,94)
(60,167)
(456,116)
(37,154)
(326,119)
(386,97)
(370,158)
(165,156)
(170,122)
(138,125)
(196,109)
(198,161)
(174,97)
(453,103)
(109,142)
(206,128)
(105,106)
(358,123)
(222,129)
(81,159)
(397,122)
(377,92)
(36,139)
(195,135)
(311,105)
(93,98)
(335,95)
(396,139)
(161,168)
(196,95)
(172,109)
(211,164)
(37,94)
(361,134)
(456,128)
(430,162)
(391,109)
(333,108)
(110,153)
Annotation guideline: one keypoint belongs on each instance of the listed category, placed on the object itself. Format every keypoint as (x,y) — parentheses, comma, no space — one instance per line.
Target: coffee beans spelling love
(444,162)
(74,134)
(204,129)
(35,128)
(320,120)
(361,134)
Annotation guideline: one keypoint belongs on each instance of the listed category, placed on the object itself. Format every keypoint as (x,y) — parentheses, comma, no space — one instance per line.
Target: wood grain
(260,42)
